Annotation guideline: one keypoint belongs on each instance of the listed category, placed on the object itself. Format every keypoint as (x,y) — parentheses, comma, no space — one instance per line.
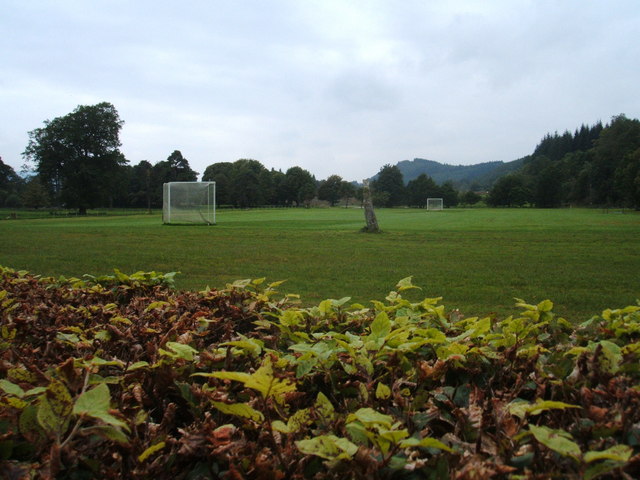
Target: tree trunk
(369,214)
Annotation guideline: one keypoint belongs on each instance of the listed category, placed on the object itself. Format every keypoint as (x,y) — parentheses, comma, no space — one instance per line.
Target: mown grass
(477,259)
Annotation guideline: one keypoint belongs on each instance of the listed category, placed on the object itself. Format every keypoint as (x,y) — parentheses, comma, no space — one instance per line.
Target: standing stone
(369,214)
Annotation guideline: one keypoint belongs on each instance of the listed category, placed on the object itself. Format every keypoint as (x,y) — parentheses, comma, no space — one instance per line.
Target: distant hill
(481,175)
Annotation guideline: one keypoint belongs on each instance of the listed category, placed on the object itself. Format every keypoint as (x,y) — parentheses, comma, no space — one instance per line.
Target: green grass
(477,259)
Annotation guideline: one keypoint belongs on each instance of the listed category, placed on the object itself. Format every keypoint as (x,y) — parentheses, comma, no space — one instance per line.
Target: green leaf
(324,408)
(425,443)
(405,284)
(237,376)
(545,306)
(150,451)
(179,350)
(382,391)
(155,305)
(269,386)
(251,345)
(369,417)
(328,447)
(11,388)
(108,432)
(597,469)
(381,326)
(618,453)
(96,403)
(295,423)
(54,408)
(557,440)
(137,366)
(521,409)
(610,357)
(394,436)
(262,380)
(239,410)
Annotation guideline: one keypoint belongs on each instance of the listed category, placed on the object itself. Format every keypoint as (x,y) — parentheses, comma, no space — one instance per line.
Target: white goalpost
(189,203)
(434,204)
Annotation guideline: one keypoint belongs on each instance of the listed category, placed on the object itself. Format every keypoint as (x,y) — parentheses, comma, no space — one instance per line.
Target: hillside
(481,175)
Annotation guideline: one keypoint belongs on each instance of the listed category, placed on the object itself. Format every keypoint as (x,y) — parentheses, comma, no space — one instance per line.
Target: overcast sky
(336,87)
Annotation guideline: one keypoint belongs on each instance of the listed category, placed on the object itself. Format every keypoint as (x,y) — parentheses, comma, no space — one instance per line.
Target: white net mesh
(189,202)
(434,204)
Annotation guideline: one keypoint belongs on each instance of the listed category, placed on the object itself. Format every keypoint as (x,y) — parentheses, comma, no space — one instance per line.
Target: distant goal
(435,204)
(189,203)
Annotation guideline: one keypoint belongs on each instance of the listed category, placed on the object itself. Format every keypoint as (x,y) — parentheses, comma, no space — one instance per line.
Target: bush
(123,377)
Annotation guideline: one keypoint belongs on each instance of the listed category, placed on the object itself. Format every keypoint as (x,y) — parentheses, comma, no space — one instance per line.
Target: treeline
(595,166)
(78,164)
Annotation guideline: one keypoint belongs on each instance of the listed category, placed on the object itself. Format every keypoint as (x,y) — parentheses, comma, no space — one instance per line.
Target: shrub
(111,377)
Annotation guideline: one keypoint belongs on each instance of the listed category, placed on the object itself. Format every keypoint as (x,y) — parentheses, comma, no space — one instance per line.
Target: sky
(333,86)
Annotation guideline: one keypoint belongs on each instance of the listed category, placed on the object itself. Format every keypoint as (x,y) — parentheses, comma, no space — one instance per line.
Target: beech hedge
(123,377)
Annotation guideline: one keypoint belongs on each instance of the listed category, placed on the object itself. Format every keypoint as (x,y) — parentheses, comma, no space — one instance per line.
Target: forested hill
(481,175)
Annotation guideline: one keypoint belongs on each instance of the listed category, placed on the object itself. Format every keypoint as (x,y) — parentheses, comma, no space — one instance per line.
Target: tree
(331,189)
(547,190)
(244,183)
(618,140)
(140,185)
(449,194)
(10,185)
(390,180)
(174,169)
(509,191)
(221,173)
(421,188)
(347,191)
(247,189)
(77,156)
(299,186)
(627,180)
(35,194)
(470,198)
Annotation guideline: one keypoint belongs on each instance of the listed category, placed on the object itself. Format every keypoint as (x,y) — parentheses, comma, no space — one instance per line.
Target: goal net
(434,204)
(189,202)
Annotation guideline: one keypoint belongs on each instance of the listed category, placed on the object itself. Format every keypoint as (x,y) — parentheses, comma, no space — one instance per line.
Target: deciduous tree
(77,156)
(390,180)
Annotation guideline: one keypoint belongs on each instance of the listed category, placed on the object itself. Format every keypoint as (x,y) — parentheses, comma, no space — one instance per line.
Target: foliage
(299,186)
(594,166)
(509,191)
(334,188)
(77,156)
(10,186)
(390,183)
(244,183)
(140,381)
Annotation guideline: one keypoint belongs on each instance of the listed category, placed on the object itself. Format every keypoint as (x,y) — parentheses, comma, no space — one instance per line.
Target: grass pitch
(477,259)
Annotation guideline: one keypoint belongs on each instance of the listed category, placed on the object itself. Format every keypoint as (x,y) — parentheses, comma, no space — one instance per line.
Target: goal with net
(434,204)
(189,203)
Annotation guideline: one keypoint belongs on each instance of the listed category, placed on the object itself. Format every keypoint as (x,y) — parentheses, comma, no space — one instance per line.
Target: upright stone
(369,214)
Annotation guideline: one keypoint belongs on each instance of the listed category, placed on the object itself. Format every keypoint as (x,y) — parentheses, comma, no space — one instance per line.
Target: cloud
(332,86)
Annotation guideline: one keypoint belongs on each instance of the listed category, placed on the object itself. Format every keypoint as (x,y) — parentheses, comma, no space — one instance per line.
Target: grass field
(477,259)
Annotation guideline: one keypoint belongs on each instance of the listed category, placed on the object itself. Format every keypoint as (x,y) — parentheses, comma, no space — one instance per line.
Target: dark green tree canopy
(10,185)
(509,191)
(330,189)
(244,183)
(77,156)
(421,188)
(391,182)
(299,186)
(175,168)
